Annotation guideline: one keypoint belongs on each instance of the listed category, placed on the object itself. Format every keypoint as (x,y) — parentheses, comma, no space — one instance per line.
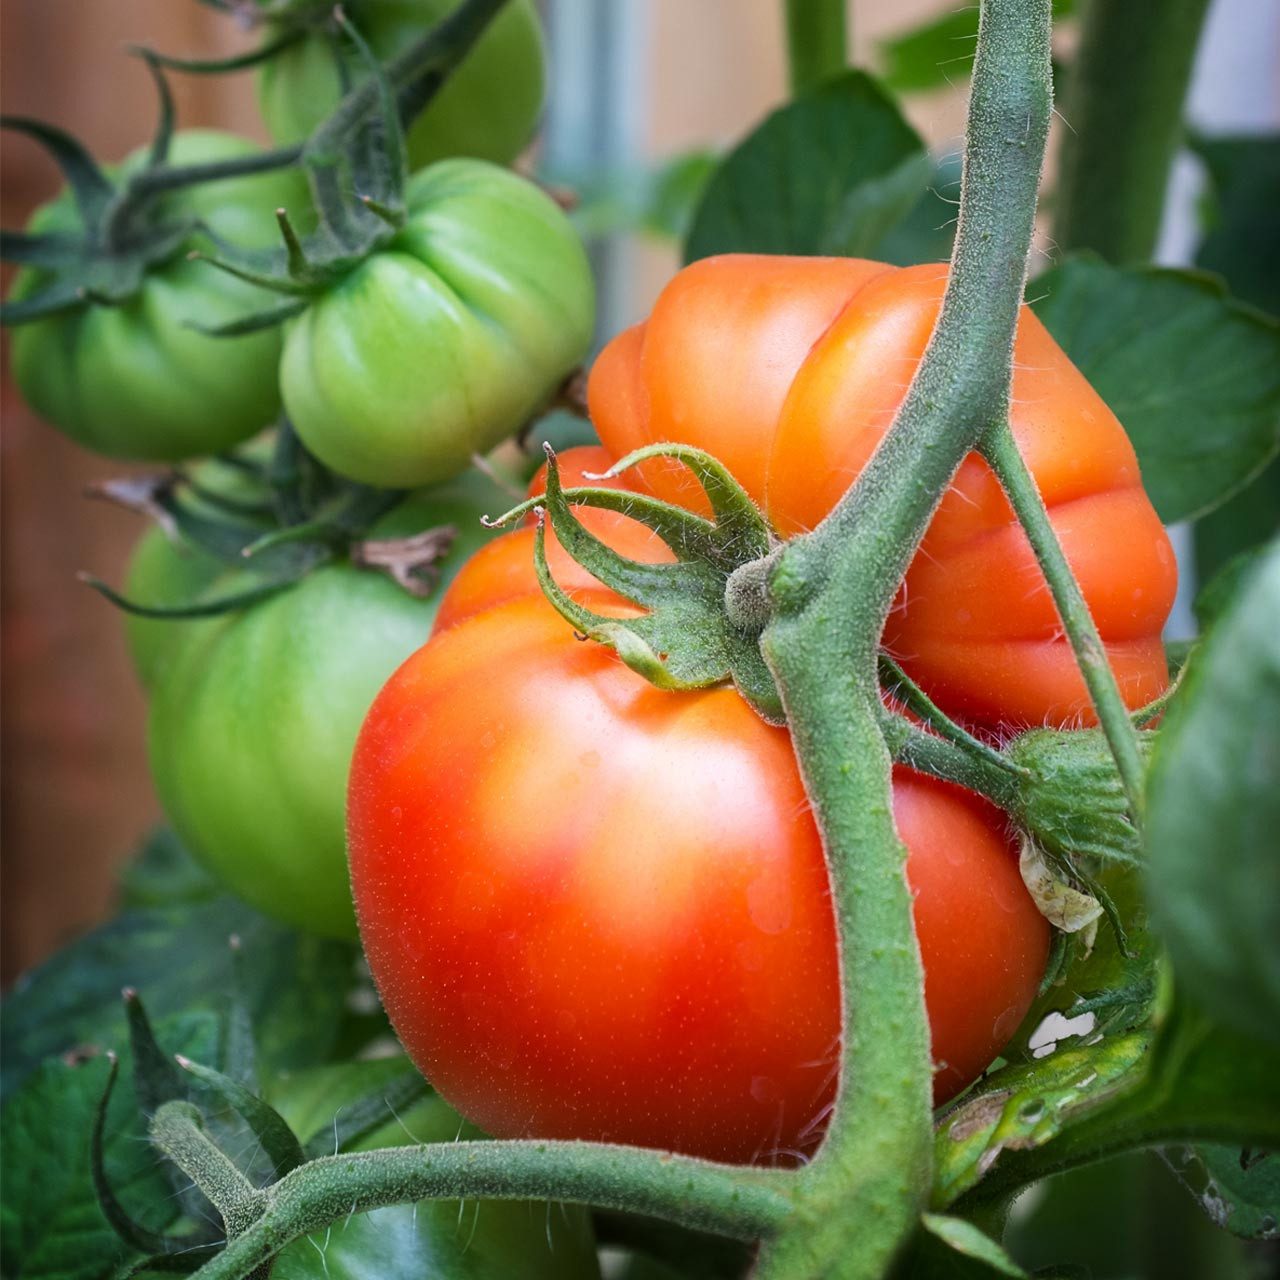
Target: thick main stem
(1124,111)
(1001,452)
(817,41)
(831,592)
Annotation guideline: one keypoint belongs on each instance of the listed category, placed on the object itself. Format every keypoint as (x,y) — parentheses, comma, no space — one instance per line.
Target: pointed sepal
(685,638)
(278,1141)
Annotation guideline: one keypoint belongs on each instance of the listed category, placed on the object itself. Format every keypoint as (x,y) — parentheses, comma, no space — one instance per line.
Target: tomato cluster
(593,909)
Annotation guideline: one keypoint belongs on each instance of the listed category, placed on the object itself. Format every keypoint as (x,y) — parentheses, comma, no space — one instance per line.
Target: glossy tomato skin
(135,380)
(254,715)
(599,910)
(445,340)
(478,1240)
(487,108)
(790,370)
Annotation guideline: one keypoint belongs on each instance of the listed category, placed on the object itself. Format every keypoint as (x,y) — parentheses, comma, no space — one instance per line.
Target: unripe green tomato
(254,716)
(487,108)
(441,1239)
(135,380)
(447,339)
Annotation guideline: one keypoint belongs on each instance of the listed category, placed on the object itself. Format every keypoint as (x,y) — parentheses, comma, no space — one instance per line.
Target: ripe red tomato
(789,370)
(599,910)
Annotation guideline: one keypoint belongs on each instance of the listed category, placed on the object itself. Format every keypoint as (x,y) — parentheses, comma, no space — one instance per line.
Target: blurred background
(634,84)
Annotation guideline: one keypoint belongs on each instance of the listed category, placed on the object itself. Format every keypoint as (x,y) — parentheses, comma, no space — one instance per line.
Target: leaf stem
(817,41)
(1124,111)
(1001,452)
(742,1203)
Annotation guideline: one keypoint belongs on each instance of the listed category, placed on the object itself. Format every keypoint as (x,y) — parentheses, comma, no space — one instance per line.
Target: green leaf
(1193,375)
(929,228)
(1213,829)
(51,1227)
(964,1238)
(658,200)
(829,173)
(1239,1190)
(164,873)
(938,53)
(178,958)
(1248,520)
(1024,1107)
(1219,594)
(1242,245)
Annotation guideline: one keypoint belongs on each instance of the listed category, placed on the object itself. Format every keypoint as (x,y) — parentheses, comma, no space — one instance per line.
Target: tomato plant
(745,800)
(439,345)
(560,872)
(254,714)
(791,369)
(487,109)
(135,379)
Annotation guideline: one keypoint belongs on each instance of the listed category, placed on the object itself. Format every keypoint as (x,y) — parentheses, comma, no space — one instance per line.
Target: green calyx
(275,518)
(687,639)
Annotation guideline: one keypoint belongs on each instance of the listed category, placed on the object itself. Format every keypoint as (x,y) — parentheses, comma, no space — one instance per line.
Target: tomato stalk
(1001,452)
(1124,108)
(817,41)
(831,592)
(743,1204)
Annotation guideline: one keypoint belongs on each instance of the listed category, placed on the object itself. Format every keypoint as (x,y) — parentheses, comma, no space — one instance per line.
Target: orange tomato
(790,370)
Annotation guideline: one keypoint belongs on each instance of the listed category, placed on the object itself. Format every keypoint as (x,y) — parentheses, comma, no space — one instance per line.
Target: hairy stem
(1001,452)
(830,592)
(817,41)
(743,1204)
(1124,111)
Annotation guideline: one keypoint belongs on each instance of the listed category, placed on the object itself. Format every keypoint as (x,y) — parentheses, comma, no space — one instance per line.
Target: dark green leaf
(938,53)
(165,874)
(1120,1219)
(1219,594)
(51,1226)
(1248,520)
(177,957)
(1242,244)
(1193,376)
(830,173)
(927,232)
(1214,816)
(1238,1189)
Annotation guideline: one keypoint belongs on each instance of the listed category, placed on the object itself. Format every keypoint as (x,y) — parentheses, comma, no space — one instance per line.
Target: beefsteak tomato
(487,108)
(135,380)
(254,714)
(446,339)
(789,370)
(599,910)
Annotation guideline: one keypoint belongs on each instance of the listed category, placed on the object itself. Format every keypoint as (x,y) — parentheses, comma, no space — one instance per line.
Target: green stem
(741,1203)
(830,593)
(1124,115)
(817,41)
(899,686)
(1001,452)
(924,752)
(437,52)
(178,1131)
